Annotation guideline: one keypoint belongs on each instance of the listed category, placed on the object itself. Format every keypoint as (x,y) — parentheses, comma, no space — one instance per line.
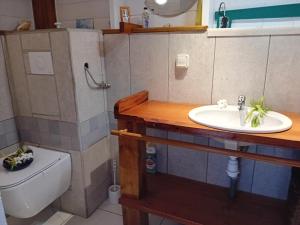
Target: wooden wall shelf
(134,28)
(185,201)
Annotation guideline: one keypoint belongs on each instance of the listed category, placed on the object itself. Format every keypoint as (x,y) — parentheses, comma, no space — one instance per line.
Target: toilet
(27,192)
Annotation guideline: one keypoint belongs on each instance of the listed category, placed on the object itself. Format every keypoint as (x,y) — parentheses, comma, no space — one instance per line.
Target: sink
(229,119)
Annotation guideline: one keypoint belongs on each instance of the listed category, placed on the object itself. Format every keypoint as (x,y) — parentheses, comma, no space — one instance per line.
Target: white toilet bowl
(27,192)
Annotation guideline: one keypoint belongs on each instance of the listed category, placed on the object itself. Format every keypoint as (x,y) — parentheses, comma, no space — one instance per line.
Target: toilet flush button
(183,61)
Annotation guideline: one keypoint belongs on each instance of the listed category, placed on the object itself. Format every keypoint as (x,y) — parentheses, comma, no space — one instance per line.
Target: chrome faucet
(241,102)
(242,109)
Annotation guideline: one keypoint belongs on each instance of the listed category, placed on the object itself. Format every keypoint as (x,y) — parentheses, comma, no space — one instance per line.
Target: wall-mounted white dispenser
(183,61)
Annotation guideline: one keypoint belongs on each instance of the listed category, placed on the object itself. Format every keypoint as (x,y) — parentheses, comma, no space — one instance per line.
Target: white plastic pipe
(2,213)
(233,163)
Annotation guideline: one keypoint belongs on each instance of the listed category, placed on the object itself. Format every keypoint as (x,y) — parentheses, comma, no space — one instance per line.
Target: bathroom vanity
(180,199)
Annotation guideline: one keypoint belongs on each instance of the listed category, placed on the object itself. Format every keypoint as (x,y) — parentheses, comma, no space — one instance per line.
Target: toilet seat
(43,160)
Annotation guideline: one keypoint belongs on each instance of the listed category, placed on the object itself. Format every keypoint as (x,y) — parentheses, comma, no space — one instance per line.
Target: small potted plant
(257,113)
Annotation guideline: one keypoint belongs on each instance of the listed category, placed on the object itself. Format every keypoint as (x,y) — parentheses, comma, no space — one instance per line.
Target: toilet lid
(43,159)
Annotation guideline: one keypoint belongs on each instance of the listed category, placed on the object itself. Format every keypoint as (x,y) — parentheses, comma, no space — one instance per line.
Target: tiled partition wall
(8,131)
(220,68)
(56,108)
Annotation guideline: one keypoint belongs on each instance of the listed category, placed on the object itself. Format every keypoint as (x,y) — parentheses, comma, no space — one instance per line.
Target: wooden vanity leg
(134,216)
(131,171)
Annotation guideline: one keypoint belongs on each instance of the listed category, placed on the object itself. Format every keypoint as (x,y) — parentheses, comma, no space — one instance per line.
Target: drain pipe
(2,213)
(233,173)
(232,167)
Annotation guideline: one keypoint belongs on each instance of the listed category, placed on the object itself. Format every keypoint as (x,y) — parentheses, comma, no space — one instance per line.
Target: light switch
(183,61)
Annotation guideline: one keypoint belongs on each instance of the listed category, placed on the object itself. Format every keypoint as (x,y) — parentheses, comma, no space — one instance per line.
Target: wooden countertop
(174,116)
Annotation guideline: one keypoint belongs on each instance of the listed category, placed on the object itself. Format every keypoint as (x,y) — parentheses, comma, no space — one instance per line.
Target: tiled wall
(44,103)
(70,10)
(93,130)
(12,12)
(52,109)
(8,131)
(60,111)
(219,68)
(49,96)
(86,47)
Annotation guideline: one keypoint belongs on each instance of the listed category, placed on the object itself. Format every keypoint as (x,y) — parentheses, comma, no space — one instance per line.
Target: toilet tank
(27,192)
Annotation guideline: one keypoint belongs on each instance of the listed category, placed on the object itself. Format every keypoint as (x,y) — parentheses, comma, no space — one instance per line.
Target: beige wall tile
(85,47)
(114,146)
(6,111)
(193,85)
(26,63)
(12,12)
(102,23)
(283,81)
(9,76)
(117,65)
(73,200)
(149,64)
(18,76)
(63,75)
(97,173)
(68,23)
(36,41)
(43,95)
(240,68)
(93,158)
(83,9)
(17,8)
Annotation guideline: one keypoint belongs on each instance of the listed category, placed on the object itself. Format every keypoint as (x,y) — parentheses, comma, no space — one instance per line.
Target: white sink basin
(229,119)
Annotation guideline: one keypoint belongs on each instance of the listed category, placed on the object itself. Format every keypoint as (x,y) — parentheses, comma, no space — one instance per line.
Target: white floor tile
(155,220)
(113,208)
(39,219)
(169,222)
(59,218)
(99,217)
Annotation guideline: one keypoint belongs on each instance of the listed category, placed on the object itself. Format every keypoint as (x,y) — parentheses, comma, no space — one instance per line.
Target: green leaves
(257,113)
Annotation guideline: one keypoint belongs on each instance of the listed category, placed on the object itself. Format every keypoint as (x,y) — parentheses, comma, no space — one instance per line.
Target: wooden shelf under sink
(191,202)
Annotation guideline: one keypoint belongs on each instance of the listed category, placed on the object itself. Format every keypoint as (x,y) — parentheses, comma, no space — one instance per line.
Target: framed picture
(85,23)
(125,14)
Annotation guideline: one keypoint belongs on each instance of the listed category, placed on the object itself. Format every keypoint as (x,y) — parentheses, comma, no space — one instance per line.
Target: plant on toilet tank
(19,160)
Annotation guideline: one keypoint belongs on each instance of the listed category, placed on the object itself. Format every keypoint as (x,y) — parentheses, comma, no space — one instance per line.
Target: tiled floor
(106,214)
(109,214)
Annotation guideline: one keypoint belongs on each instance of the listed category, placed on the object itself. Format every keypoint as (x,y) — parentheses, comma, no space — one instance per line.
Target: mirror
(171,7)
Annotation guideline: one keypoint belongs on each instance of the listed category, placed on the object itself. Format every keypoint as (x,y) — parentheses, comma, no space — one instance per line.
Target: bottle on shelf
(151,159)
(146,17)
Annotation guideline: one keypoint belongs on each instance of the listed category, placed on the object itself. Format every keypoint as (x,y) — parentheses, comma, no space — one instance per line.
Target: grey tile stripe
(8,133)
